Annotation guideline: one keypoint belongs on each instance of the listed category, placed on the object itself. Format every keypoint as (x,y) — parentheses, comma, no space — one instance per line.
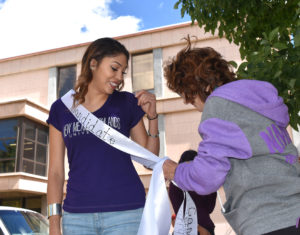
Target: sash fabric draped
(156,218)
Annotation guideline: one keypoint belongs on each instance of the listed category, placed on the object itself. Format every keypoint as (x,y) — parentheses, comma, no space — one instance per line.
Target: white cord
(220,201)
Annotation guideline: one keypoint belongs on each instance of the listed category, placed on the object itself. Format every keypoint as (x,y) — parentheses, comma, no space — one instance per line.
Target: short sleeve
(53,117)
(136,112)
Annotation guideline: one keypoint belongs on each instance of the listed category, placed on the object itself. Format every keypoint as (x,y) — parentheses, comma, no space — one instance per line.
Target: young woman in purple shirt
(104,194)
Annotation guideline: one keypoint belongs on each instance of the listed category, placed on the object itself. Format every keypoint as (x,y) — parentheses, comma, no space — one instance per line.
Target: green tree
(268,35)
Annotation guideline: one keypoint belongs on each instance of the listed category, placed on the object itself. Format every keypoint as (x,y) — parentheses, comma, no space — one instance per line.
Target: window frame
(17,142)
(151,90)
(22,122)
(36,142)
(58,88)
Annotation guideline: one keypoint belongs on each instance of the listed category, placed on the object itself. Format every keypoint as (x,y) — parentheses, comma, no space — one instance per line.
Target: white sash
(186,220)
(109,135)
(156,218)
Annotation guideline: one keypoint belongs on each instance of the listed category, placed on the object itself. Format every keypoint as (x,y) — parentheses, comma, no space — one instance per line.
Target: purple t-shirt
(101,178)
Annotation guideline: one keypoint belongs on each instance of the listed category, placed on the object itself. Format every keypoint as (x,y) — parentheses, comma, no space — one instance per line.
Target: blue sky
(154,13)
(28,26)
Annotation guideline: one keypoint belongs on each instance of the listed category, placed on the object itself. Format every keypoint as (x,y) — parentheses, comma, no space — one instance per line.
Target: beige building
(29,84)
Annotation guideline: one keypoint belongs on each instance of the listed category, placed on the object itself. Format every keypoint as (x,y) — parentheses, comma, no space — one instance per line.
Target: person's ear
(93,64)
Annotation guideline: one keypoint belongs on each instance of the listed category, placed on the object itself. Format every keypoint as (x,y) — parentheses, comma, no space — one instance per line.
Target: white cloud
(33,25)
(161,5)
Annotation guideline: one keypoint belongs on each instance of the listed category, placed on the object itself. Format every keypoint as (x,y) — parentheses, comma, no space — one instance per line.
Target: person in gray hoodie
(245,146)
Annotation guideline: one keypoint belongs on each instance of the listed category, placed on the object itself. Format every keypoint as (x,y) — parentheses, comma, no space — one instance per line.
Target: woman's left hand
(169,168)
(147,101)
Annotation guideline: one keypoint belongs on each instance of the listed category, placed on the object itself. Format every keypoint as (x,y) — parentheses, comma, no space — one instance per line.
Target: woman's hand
(169,168)
(147,101)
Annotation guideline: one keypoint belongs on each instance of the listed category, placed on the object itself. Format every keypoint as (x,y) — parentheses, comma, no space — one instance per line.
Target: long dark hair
(102,47)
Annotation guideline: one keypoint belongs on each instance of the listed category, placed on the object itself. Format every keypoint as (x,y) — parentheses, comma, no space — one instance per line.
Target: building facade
(29,84)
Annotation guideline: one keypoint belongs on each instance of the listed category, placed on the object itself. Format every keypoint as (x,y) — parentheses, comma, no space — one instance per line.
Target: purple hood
(259,96)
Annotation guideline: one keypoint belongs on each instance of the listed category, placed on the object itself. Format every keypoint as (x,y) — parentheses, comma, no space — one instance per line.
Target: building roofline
(24,108)
(147,31)
(154,30)
(26,101)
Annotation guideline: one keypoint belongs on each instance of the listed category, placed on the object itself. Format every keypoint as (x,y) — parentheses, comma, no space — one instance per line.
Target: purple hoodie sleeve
(221,140)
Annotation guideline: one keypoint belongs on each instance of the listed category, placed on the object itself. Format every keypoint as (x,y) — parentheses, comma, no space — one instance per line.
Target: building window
(31,203)
(8,145)
(142,72)
(66,79)
(11,202)
(34,152)
(23,146)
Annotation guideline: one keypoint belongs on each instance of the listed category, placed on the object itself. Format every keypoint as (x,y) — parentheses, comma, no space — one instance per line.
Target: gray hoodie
(247,149)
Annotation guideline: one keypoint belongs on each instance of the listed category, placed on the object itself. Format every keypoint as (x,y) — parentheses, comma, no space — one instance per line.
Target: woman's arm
(56,176)
(138,133)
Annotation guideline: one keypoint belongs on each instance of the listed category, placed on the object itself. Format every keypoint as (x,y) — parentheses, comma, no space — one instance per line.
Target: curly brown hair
(98,49)
(197,71)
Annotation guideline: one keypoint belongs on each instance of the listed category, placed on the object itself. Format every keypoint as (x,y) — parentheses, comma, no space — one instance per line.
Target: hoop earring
(121,85)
